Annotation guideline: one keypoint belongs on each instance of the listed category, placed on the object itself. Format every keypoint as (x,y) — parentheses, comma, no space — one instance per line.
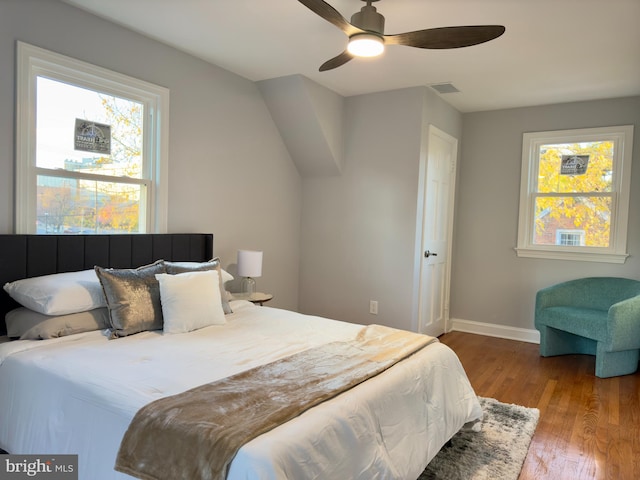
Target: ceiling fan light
(365,45)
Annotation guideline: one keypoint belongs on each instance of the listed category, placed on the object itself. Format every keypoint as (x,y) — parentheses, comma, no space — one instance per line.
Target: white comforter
(77,394)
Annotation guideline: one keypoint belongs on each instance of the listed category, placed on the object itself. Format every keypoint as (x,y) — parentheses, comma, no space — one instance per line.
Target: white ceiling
(553,51)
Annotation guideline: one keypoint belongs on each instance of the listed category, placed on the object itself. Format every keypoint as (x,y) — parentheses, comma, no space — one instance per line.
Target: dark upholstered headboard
(23,256)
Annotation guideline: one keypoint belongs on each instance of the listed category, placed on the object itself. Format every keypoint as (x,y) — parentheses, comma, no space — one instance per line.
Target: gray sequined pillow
(133,298)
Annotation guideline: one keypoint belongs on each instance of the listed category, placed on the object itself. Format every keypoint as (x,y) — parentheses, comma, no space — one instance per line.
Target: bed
(80,393)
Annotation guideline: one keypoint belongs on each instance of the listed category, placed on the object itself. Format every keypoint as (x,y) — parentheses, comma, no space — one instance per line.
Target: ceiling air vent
(444,87)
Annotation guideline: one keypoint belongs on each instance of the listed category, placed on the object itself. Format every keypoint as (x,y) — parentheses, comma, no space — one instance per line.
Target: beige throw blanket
(195,434)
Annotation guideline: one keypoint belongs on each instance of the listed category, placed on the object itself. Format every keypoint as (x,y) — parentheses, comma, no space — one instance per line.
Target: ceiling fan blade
(331,15)
(335,62)
(446,37)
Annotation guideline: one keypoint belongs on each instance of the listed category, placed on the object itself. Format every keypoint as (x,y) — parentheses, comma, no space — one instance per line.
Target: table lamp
(249,267)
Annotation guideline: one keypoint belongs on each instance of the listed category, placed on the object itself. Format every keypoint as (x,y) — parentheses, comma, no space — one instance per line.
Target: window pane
(570,238)
(576,167)
(68,205)
(574,216)
(80,129)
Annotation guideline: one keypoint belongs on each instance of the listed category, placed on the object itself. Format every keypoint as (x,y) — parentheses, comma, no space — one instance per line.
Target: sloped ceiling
(309,118)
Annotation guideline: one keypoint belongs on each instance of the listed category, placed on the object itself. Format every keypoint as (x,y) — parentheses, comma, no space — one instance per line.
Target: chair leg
(558,342)
(613,364)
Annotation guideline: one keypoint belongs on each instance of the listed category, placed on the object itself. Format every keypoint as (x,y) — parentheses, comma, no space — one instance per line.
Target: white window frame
(622,136)
(33,62)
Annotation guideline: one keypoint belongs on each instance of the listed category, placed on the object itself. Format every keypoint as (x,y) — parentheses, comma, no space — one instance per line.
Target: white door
(437,222)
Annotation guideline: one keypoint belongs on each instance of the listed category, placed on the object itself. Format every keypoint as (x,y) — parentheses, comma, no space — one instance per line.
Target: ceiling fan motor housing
(369,19)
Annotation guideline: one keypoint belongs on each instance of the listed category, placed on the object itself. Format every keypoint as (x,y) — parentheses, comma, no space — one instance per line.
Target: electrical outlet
(373,307)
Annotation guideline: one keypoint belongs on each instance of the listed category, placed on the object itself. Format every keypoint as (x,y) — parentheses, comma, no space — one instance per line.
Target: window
(574,194)
(91,148)
(570,238)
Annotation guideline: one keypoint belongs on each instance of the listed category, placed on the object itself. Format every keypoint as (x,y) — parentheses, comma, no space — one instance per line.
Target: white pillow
(213,264)
(59,293)
(190,301)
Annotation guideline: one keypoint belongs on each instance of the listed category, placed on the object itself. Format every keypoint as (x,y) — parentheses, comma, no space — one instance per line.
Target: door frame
(420,240)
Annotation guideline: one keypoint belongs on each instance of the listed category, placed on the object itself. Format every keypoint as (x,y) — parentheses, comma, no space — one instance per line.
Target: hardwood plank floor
(589,427)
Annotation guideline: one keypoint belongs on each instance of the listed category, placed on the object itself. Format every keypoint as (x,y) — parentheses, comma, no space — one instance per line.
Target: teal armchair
(595,316)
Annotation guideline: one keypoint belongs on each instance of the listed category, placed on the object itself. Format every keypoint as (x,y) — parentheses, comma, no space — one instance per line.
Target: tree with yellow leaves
(574,194)
(118,207)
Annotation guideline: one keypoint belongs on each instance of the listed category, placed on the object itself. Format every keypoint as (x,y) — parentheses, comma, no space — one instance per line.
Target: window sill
(574,256)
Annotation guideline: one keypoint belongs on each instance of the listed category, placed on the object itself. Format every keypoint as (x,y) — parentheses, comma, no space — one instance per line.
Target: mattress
(78,394)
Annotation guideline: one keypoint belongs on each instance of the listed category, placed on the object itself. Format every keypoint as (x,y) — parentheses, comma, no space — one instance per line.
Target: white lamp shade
(249,263)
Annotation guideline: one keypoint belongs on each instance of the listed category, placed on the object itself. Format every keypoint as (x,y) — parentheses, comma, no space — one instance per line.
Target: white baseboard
(493,330)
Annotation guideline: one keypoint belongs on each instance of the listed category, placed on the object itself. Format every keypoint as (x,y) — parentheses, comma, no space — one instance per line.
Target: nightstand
(257,297)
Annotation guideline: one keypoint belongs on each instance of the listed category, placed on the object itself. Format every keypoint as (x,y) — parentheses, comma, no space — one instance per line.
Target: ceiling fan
(367,38)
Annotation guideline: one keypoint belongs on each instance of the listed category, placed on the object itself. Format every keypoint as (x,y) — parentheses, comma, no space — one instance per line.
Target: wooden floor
(589,427)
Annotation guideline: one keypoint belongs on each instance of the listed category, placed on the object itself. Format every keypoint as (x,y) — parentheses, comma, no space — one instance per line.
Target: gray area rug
(496,452)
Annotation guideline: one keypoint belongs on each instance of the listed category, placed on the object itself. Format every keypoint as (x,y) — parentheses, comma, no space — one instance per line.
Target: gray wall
(230,173)
(490,284)
(333,243)
(359,229)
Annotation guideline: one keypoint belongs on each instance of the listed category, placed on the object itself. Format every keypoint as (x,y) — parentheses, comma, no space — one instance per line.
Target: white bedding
(77,394)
